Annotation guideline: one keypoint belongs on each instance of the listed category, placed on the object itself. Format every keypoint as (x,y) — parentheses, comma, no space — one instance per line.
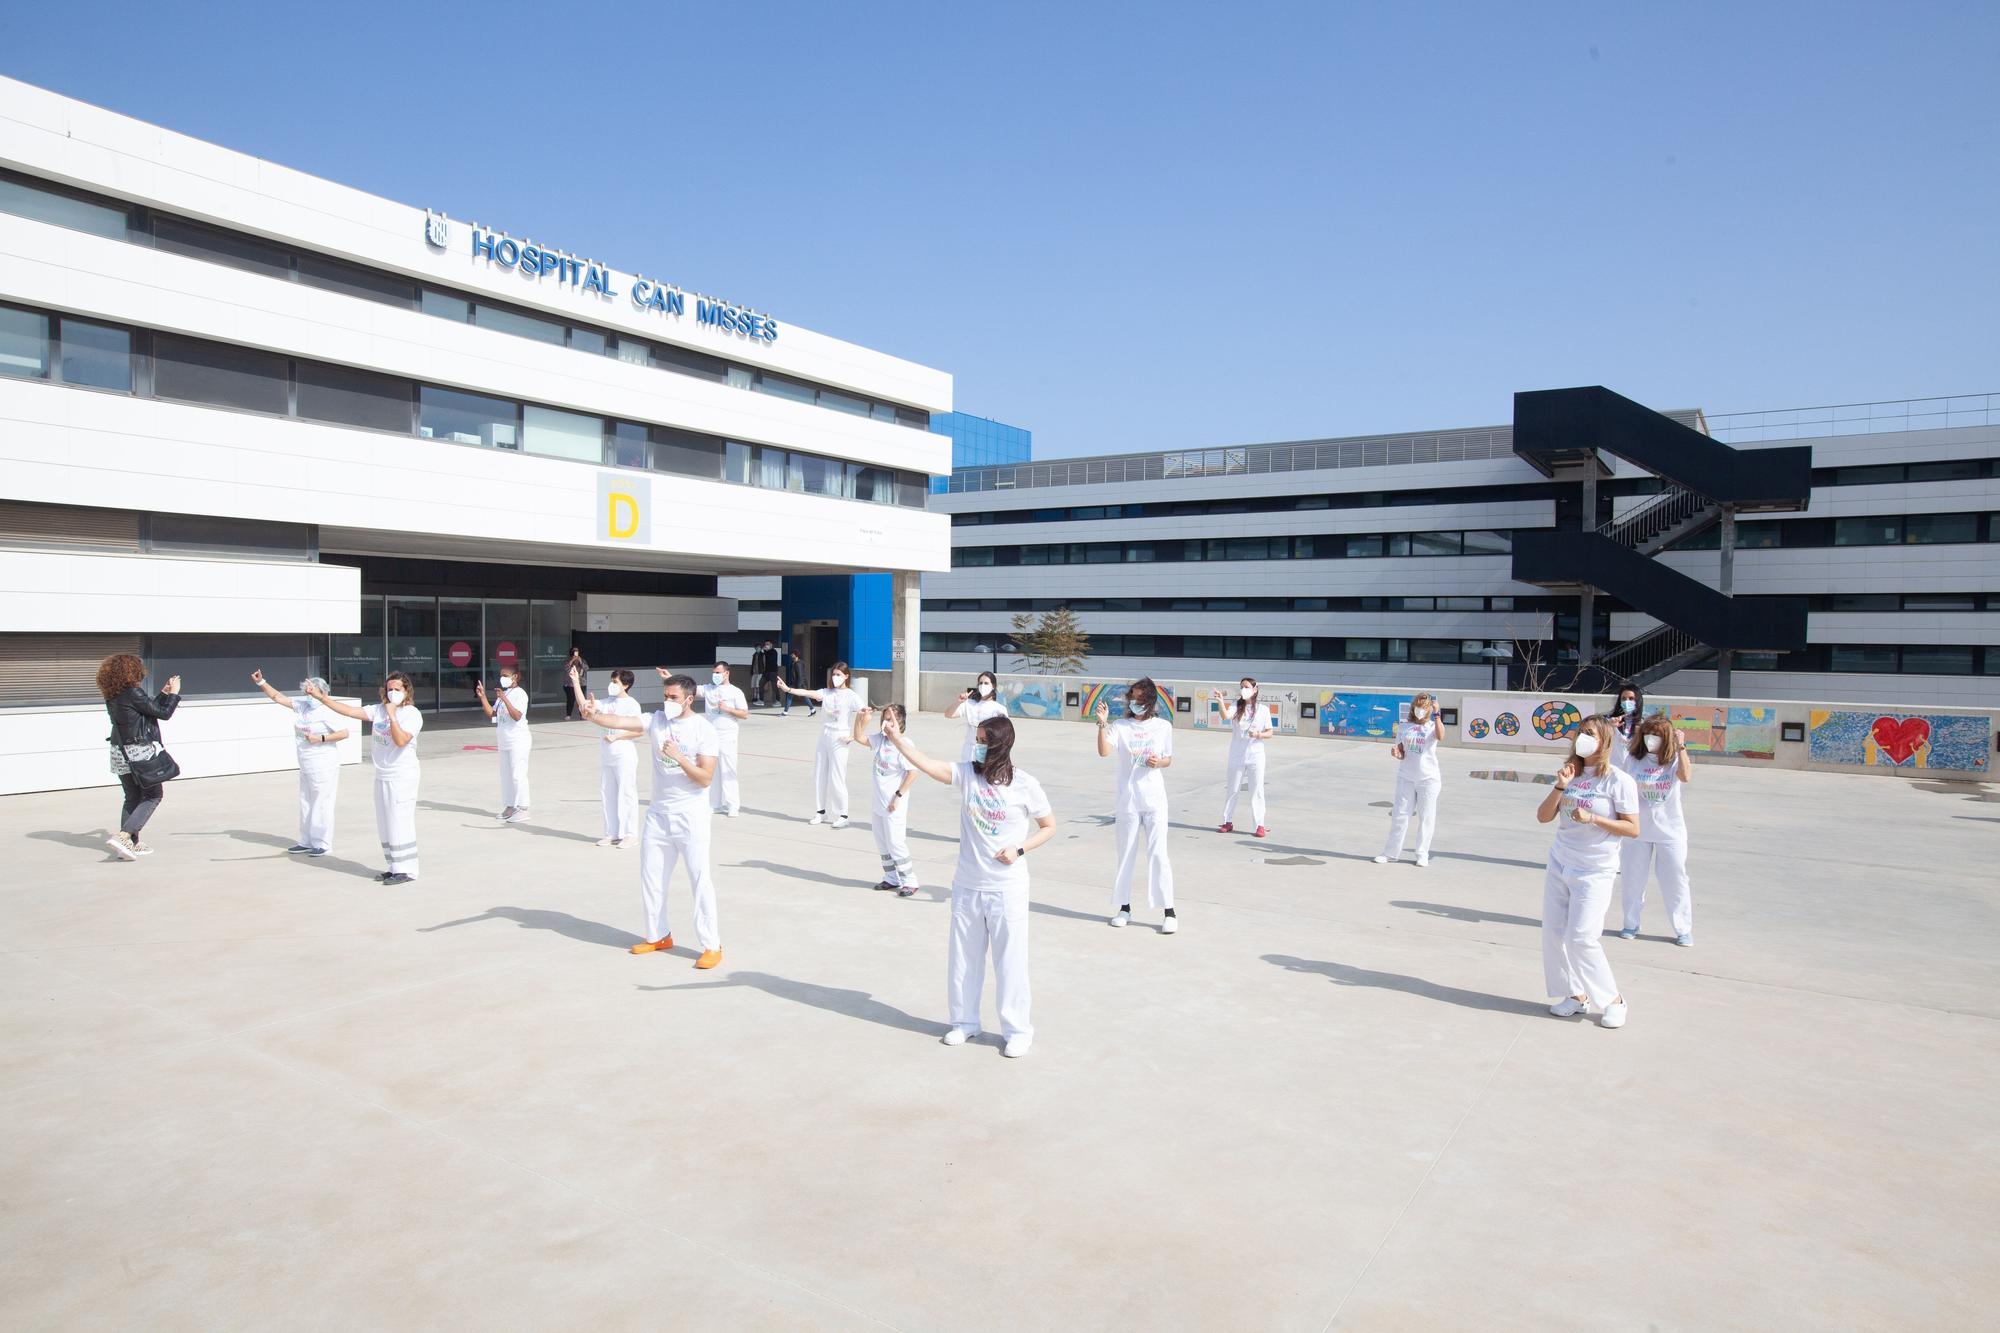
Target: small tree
(1534,671)
(1052,643)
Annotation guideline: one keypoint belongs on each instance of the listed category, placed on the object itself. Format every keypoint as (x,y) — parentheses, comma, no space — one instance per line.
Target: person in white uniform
(684,747)
(1658,763)
(975,706)
(892,779)
(316,730)
(1417,780)
(1143,743)
(1250,725)
(839,705)
(725,707)
(508,712)
(618,762)
(1003,815)
(1593,804)
(395,725)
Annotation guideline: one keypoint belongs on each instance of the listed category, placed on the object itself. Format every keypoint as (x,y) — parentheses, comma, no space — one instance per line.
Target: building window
(58,209)
(1365,545)
(556,434)
(1965,469)
(218,375)
(454,308)
(1861,657)
(1930,529)
(1877,531)
(24,343)
(199,241)
(1937,661)
(502,320)
(736,462)
(1364,650)
(467,418)
(1489,543)
(686,454)
(368,284)
(96,356)
(1434,543)
(1938,601)
(361,398)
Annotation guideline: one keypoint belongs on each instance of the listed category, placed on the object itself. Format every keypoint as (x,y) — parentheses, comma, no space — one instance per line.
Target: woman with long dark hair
(1003,815)
(137,757)
(1144,744)
(975,706)
(830,760)
(1658,763)
(1627,713)
(1250,725)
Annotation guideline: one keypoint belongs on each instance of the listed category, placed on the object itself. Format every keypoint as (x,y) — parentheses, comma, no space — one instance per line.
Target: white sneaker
(1170,925)
(817,819)
(1017,1047)
(607,842)
(118,843)
(520,817)
(1613,1015)
(1568,1006)
(840,822)
(729,814)
(959,1036)
(1120,918)
(1423,858)
(507,814)
(1381,860)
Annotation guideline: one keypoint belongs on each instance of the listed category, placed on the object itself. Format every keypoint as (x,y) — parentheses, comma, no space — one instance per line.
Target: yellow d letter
(623,519)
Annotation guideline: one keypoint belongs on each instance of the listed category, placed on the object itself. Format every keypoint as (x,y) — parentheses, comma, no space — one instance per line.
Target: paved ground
(240,1090)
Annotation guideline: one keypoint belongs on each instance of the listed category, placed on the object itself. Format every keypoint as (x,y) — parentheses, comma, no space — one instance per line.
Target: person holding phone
(1593,804)
(618,759)
(137,755)
(975,705)
(830,759)
(1003,814)
(1250,726)
(1418,780)
(395,724)
(1144,744)
(316,730)
(1659,765)
(893,778)
(508,712)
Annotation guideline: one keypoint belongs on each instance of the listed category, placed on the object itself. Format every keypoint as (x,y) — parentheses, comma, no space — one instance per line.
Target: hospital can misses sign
(540,264)
(624,508)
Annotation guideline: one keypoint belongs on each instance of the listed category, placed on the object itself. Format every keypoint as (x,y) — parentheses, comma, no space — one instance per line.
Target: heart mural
(1899,737)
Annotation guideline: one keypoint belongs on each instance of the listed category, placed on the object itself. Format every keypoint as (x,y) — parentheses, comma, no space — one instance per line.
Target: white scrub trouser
(618,780)
(1159,874)
(396,818)
(514,776)
(319,783)
(830,777)
(675,834)
(1420,794)
(1573,906)
(722,792)
(980,917)
(1248,762)
(892,843)
(1640,859)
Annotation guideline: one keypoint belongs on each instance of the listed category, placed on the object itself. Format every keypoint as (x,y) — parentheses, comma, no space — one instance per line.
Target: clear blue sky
(1138,226)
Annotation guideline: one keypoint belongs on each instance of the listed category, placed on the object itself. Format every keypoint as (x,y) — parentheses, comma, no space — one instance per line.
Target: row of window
(1873,530)
(1322,546)
(1237,603)
(101,216)
(1880,659)
(1890,474)
(38,345)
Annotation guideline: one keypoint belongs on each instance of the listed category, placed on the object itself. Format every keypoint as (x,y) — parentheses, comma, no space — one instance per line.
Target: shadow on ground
(1342,975)
(833,999)
(558,923)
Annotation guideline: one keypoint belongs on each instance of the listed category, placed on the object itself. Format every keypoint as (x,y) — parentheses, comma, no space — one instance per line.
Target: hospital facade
(252,418)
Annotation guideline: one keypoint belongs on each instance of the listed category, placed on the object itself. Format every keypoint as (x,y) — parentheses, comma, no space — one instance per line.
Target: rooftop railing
(1904,414)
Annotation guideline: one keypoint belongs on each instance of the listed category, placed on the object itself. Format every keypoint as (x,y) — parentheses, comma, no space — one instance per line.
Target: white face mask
(506,682)
(1418,714)
(1247,693)
(1652,744)
(616,688)
(395,697)
(984,689)
(715,677)
(672,708)
(838,680)
(1586,745)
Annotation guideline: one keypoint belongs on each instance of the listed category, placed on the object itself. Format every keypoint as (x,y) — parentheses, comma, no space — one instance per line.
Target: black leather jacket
(135,719)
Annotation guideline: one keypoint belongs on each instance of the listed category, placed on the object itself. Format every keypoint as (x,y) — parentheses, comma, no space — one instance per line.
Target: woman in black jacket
(135,722)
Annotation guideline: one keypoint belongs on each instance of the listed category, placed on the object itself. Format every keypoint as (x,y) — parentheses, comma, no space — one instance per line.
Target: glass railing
(1887,417)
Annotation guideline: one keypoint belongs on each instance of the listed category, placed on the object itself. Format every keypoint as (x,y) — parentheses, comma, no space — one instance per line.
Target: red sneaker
(1227,828)
(1260,831)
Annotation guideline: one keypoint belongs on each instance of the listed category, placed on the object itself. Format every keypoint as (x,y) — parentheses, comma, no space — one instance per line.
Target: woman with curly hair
(135,740)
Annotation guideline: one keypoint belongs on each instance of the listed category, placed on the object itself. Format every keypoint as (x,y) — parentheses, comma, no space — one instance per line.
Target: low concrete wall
(1920,741)
(53,749)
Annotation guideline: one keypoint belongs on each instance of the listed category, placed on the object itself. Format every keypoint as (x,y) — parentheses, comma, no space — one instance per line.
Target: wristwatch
(1020,851)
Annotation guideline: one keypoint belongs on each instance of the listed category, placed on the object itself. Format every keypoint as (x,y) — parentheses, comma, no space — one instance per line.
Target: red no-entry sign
(461,654)
(506,655)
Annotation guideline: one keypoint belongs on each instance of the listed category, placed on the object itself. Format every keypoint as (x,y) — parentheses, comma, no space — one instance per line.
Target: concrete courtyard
(242,1090)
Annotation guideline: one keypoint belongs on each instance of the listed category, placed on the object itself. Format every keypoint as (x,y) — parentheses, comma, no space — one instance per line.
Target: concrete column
(1586,619)
(1725,583)
(906,611)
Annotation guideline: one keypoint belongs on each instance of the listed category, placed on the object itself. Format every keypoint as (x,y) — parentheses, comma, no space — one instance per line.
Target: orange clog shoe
(709,958)
(657,946)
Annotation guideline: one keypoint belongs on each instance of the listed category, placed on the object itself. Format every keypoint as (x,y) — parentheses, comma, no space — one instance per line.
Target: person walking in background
(725,707)
(1144,744)
(395,724)
(763,675)
(316,730)
(1660,768)
(830,759)
(1003,814)
(788,674)
(892,779)
(618,761)
(576,675)
(975,706)
(1418,780)
(138,758)
(1593,804)
(508,712)
(1250,725)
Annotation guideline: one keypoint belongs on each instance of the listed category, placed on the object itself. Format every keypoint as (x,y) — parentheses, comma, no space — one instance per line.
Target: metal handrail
(1666,511)
(1887,416)
(1654,646)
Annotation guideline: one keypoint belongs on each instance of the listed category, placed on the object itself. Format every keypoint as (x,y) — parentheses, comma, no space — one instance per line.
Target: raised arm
(485,704)
(959,704)
(270,691)
(920,761)
(803,694)
(1682,764)
(1103,731)
(320,697)
(632,724)
(861,716)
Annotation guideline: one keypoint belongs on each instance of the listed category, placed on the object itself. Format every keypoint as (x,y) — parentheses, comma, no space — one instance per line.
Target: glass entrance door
(413,647)
(507,643)
(460,653)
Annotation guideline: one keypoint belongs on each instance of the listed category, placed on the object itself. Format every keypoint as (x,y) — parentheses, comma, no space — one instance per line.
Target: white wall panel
(64,592)
(52,749)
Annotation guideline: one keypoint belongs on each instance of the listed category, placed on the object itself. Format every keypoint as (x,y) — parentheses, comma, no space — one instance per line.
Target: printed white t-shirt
(1420,743)
(671,787)
(513,732)
(1133,741)
(621,705)
(1659,787)
(888,767)
(837,710)
(390,757)
(1586,846)
(989,819)
(714,698)
(973,712)
(1250,725)
(312,718)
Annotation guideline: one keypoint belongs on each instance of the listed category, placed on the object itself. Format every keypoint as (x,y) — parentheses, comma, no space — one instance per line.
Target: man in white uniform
(724,706)
(683,746)
(509,713)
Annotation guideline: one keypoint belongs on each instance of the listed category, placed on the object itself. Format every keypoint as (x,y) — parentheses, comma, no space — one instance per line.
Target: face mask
(838,680)
(984,689)
(1652,745)
(395,696)
(672,709)
(1586,745)
(1137,710)
(506,682)
(1419,714)
(616,688)
(303,686)
(1625,705)
(715,677)
(1247,693)
(978,754)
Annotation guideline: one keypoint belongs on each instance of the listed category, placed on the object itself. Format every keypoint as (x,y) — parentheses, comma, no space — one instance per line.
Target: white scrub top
(1586,846)
(1133,741)
(837,710)
(513,732)
(312,718)
(1659,800)
(888,768)
(390,757)
(714,698)
(623,705)
(989,819)
(1250,725)
(671,787)
(1420,744)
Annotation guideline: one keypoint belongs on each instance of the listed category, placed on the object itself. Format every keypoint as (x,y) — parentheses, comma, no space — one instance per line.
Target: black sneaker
(315,851)
(297,847)
(397,878)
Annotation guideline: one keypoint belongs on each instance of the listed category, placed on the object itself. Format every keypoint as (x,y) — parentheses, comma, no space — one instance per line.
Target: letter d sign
(624,508)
